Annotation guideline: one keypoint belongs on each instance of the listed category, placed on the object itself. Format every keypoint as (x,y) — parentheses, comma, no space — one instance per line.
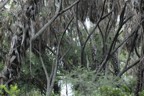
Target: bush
(12,91)
(86,83)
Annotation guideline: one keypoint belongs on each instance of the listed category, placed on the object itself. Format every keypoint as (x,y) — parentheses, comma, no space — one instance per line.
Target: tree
(46,36)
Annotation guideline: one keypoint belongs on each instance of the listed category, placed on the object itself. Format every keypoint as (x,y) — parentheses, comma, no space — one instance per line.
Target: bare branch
(54,71)
(132,65)
(47,24)
(58,12)
(122,22)
(47,76)
(124,41)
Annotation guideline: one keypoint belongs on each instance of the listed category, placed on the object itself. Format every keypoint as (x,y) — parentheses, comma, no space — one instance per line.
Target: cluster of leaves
(12,91)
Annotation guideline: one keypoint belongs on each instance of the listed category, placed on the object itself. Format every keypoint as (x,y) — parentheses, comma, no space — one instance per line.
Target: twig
(50,49)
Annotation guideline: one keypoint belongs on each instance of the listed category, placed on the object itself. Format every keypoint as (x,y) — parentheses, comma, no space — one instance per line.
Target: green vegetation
(12,91)
(96,47)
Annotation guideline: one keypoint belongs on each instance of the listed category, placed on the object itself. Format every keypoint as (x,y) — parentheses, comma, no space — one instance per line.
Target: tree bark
(140,74)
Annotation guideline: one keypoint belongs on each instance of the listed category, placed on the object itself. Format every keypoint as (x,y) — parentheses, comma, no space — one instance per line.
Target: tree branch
(3,4)
(58,12)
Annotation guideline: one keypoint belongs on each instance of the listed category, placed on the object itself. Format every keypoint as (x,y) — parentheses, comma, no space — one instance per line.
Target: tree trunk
(140,74)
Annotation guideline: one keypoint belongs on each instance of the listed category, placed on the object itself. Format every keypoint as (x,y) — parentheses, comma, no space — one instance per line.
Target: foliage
(86,83)
(111,91)
(98,60)
(12,91)
(33,92)
(141,93)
